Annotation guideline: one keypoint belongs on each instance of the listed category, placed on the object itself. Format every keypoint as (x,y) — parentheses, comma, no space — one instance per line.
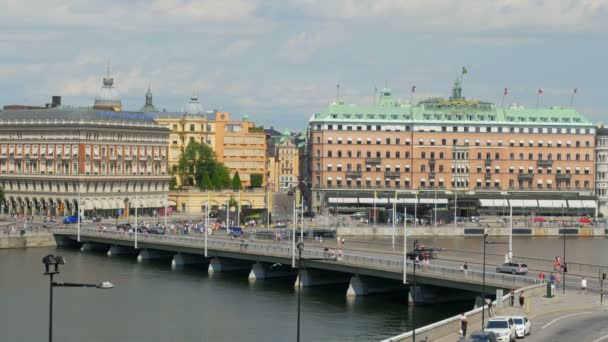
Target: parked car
(503,328)
(213,214)
(71,219)
(513,268)
(481,336)
(309,214)
(523,326)
(156,230)
(290,193)
(97,219)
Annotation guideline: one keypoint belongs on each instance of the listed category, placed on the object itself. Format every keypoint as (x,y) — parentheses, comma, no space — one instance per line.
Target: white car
(503,328)
(523,326)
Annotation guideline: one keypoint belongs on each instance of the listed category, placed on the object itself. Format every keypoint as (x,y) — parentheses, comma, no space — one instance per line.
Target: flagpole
(337,92)
(574,92)
(405,244)
(537,98)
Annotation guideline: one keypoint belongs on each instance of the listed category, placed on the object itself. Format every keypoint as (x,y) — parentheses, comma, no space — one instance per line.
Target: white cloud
(236,49)
(300,47)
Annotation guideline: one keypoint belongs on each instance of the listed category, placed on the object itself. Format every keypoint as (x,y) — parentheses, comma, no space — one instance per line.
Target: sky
(280,60)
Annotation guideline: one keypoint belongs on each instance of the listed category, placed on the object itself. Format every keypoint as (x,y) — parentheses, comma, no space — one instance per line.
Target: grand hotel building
(486,158)
(110,160)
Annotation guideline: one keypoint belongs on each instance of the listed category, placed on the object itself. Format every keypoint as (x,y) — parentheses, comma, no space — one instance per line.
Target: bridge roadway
(443,273)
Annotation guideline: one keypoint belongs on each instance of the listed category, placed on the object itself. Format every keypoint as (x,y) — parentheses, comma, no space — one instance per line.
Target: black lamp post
(483,282)
(56,260)
(564,263)
(301,260)
(414,299)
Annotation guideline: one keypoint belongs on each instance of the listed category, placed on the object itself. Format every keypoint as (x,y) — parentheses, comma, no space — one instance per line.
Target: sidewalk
(572,301)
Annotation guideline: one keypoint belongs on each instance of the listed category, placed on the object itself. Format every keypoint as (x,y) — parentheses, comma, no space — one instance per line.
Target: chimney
(55,101)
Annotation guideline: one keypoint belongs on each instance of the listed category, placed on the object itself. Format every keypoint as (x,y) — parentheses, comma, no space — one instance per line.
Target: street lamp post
(56,260)
(483,284)
(413,294)
(564,263)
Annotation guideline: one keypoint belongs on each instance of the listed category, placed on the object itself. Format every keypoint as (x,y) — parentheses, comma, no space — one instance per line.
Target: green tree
(223,175)
(173,183)
(232,202)
(236,182)
(196,159)
(256,180)
(215,181)
(205,183)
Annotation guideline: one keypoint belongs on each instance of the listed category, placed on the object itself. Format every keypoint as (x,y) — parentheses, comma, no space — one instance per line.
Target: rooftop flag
(540,91)
(464,70)
(413,89)
(575,90)
(506,91)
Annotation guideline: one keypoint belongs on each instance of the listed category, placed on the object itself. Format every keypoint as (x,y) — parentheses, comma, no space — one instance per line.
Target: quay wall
(29,239)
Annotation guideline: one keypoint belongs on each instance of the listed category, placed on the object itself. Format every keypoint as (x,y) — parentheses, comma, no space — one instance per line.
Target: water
(153,303)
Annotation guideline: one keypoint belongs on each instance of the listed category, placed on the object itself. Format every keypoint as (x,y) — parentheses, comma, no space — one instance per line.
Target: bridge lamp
(55,261)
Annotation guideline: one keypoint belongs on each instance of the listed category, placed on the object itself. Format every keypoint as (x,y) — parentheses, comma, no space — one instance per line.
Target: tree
(173,183)
(223,175)
(216,183)
(205,183)
(232,203)
(236,182)
(256,180)
(196,159)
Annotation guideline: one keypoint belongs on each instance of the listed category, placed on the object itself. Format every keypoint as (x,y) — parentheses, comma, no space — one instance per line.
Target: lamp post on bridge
(56,260)
(301,260)
(483,282)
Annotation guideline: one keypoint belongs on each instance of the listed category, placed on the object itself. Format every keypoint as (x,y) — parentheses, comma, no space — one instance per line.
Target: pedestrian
(490,307)
(463,325)
(552,278)
(557,280)
(541,277)
(512,297)
(584,285)
(522,298)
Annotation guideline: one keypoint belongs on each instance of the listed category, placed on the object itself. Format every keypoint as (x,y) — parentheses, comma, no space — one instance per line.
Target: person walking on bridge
(522,299)
(584,285)
(463,325)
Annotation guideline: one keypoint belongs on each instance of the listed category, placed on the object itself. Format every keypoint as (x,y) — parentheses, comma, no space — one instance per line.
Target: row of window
(455,155)
(460,169)
(454,129)
(479,184)
(466,142)
(86,187)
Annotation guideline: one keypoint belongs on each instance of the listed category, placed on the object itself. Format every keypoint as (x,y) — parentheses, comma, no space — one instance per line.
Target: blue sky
(280,60)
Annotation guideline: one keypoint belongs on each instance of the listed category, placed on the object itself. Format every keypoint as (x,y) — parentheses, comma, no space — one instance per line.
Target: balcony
(563,176)
(488,162)
(488,174)
(373,160)
(432,161)
(544,163)
(391,174)
(432,174)
(354,173)
(525,176)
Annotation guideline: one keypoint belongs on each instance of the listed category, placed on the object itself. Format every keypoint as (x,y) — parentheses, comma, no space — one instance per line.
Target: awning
(575,204)
(530,203)
(493,202)
(434,200)
(549,181)
(523,203)
(588,204)
(342,200)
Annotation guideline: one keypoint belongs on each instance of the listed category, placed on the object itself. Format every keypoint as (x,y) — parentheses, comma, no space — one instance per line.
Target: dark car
(423,253)
(156,230)
(309,214)
(213,214)
(289,193)
(482,336)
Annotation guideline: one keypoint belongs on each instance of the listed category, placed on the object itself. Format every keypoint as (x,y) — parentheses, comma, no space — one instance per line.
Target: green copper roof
(456,109)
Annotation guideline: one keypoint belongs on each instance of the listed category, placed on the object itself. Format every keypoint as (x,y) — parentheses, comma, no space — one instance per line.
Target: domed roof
(193,108)
(148,107)
(107,97)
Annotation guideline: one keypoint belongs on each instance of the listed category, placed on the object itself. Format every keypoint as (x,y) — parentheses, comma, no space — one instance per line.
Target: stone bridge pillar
(92,247)
(261,271)
(120,250)
(429,294)
(313,277)
(148,254)
(225,265)
(179,260)
(365,285)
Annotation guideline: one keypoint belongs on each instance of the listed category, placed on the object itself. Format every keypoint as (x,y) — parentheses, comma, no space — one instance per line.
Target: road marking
(601,338)
(559,318)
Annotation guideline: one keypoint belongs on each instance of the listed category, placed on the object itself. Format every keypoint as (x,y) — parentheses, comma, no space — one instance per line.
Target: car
(71,219)
(503,328)
(309,214)
(523,326)
(290,193)
(513,268)
(156,230)
(481,336)
(359,215)
(423,253)
(97,219)
(213,214)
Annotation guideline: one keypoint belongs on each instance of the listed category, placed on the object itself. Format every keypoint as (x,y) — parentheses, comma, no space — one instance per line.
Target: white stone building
(601,169)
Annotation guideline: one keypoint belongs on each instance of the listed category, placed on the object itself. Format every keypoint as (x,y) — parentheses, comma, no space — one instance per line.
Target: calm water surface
(153,303)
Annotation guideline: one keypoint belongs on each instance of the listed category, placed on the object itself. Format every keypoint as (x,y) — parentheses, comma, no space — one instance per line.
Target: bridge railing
(390,262)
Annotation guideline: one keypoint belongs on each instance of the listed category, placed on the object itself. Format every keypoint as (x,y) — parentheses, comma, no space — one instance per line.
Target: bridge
(367,271)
